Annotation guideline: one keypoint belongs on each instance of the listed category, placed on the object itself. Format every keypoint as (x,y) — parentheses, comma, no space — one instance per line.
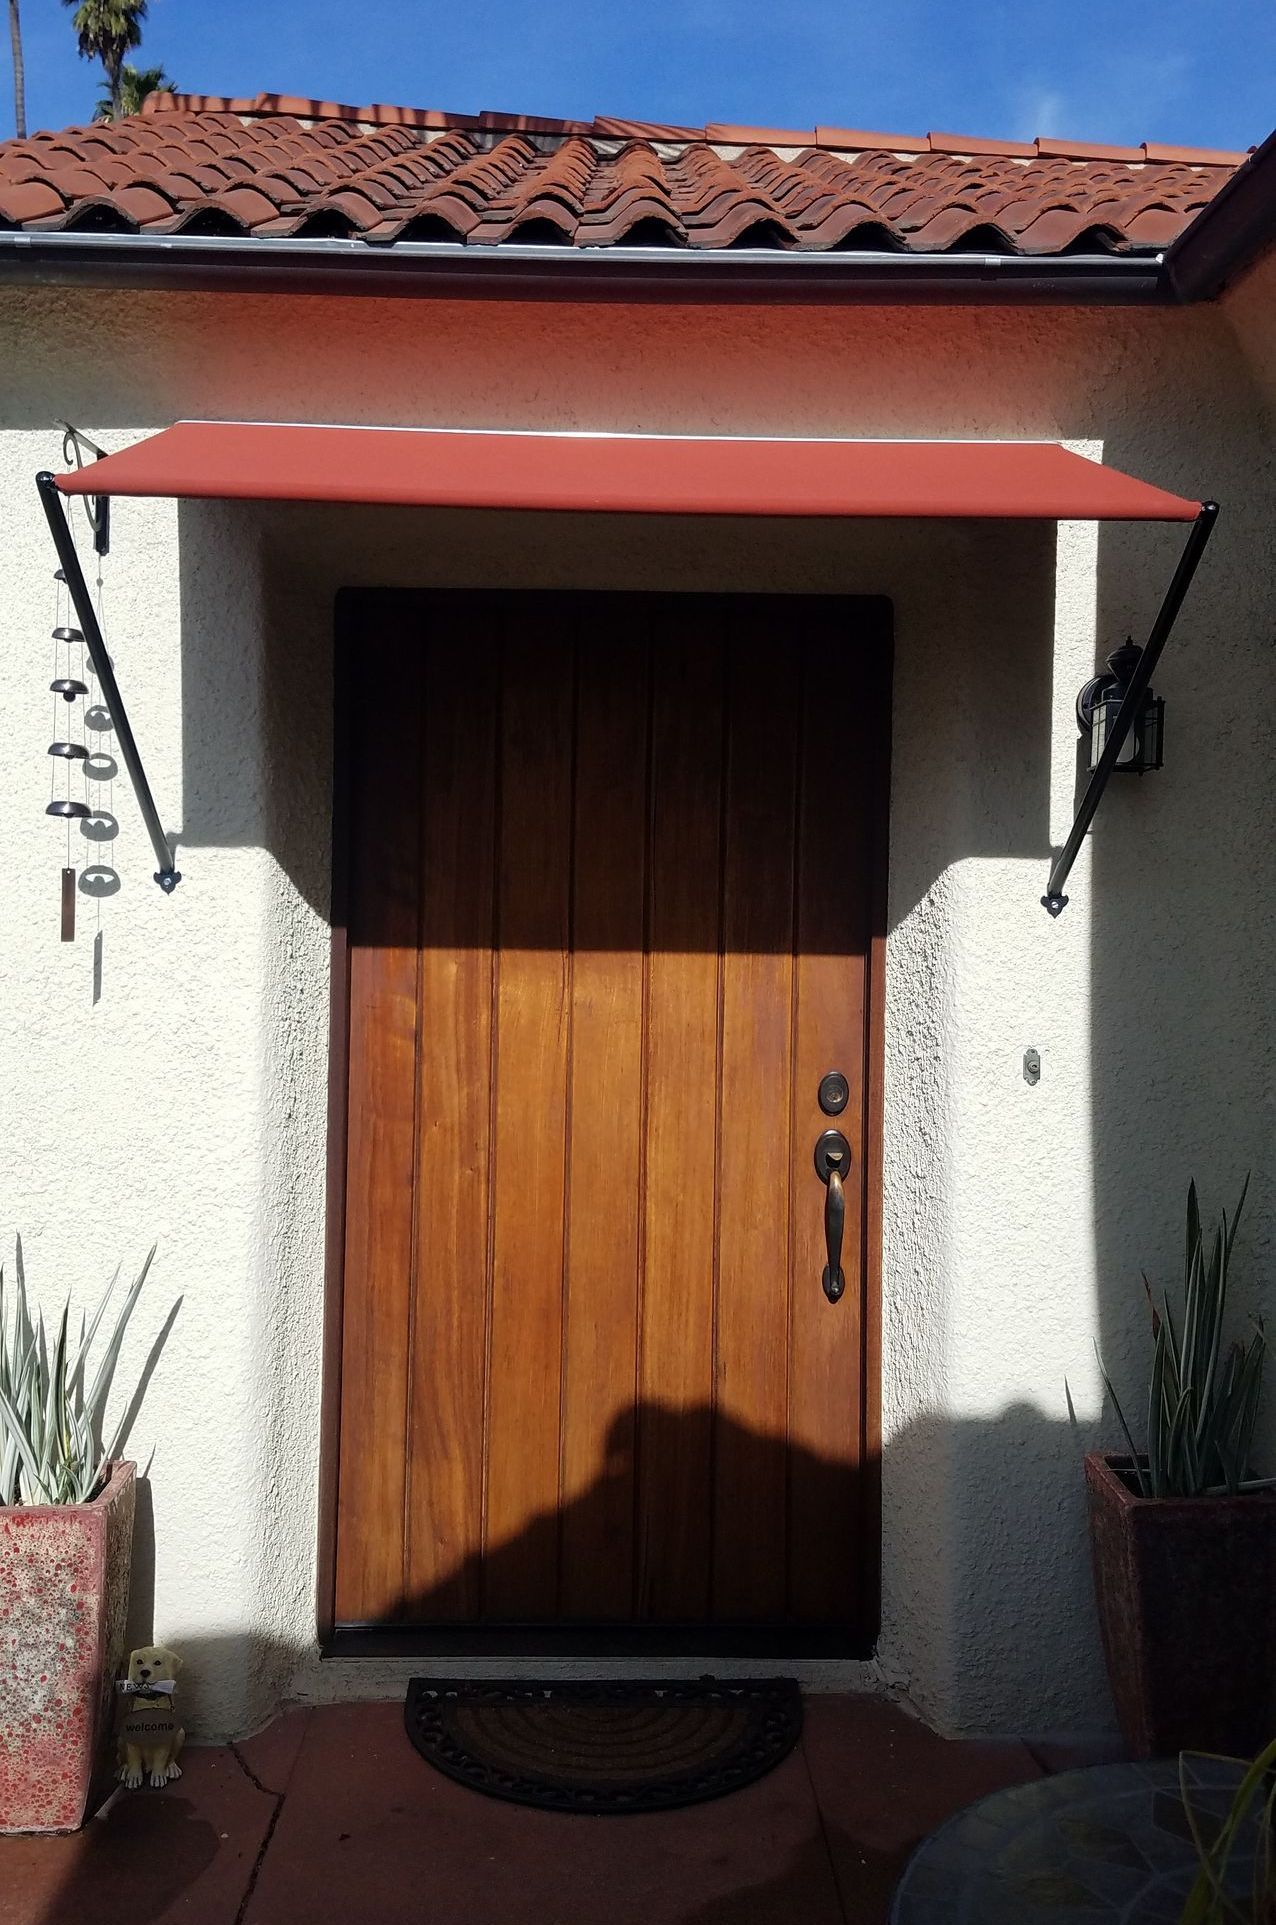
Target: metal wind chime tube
(90,634)
(67,689)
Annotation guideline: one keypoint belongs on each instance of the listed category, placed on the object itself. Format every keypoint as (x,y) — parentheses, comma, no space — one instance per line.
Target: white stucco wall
(186,1105)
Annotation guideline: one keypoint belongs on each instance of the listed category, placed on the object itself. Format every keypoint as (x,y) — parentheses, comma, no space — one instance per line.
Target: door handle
(832,1164)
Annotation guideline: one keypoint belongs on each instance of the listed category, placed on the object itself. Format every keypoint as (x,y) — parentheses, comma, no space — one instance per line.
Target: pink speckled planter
(64,1582)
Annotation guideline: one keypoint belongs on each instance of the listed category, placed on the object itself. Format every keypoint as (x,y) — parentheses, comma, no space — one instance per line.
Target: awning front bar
(633,474)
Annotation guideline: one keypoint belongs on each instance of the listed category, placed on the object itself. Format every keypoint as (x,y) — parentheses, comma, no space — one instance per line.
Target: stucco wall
(186,1104)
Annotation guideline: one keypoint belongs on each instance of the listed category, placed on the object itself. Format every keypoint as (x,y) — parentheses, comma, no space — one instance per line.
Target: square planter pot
(1186,1590)
(64,1585)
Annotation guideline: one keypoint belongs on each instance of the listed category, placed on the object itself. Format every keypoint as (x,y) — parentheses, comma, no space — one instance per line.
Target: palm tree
(19,72)
(135,84)
(108,29)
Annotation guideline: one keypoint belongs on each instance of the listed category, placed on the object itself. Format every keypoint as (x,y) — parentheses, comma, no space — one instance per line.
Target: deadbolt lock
(834,1093)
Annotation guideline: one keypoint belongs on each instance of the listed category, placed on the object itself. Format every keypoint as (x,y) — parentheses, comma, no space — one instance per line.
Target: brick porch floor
(331,1816)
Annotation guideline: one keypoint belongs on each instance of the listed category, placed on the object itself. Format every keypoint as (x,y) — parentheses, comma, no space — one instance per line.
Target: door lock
(834,1093)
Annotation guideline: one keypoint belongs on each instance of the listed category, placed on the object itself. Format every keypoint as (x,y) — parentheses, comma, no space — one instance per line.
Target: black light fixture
(1099,704)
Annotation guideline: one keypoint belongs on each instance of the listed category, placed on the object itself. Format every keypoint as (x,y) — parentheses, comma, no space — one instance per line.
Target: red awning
(626,474)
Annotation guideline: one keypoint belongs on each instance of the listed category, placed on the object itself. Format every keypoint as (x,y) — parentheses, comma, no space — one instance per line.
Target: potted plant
(1184,1535)
(66,1529)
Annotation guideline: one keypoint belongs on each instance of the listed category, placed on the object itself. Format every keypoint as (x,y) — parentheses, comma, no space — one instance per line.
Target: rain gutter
(231,264)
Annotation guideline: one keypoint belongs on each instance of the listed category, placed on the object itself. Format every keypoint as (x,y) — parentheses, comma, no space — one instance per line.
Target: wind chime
(81,777)
(84,673)
(68,747)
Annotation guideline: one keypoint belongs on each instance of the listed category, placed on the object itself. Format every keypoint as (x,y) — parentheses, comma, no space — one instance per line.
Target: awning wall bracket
(167,875)
(1202,528)
(97,507)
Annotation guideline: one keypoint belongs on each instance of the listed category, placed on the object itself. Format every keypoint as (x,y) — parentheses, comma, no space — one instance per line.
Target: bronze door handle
(833,1163)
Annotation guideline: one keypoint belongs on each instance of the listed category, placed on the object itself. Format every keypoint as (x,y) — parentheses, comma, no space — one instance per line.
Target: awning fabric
(626,474)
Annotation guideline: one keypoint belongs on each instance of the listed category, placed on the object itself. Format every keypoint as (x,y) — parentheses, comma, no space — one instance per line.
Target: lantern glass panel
(1152,733)
(1142,746)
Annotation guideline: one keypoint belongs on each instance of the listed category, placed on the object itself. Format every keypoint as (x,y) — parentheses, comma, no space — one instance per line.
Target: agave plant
(1203,1398)
(51,1409)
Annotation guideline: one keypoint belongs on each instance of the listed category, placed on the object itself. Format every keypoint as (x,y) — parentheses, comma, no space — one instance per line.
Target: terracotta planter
(1186,1589)
(64,1583)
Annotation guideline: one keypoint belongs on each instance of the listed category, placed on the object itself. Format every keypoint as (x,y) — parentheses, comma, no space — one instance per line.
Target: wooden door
(612,914)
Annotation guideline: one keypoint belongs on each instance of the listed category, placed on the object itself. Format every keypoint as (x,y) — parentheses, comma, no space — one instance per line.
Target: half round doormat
(604,1747)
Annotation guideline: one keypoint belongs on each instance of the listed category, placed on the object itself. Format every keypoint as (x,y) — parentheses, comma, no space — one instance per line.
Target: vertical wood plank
(449,1349)
(531,1000)
(826,1361)
(604,1156)
(751,1415)
(381,1138)
(676,1336)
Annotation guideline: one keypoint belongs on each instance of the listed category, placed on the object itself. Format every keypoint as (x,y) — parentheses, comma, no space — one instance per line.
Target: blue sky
(1170,70)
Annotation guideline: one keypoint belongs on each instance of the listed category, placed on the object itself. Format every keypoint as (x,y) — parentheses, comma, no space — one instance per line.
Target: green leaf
(87,1337)
(1156,1419)
(17,1434)
(1139,1472)
(95,1400)
(1203,1394)
(50,1427)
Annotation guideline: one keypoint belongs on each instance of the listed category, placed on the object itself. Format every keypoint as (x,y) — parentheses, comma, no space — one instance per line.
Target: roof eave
(1229,232)
(233,264)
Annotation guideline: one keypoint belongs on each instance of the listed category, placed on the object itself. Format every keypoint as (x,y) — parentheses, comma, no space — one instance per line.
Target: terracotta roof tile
(1080,150)
(727,136)
(28,200)
(279,165)
(858,141)
(1193,156)
(976,144)
(606,126)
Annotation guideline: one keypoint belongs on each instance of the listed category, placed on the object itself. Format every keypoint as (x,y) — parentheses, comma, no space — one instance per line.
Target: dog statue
(150,1736)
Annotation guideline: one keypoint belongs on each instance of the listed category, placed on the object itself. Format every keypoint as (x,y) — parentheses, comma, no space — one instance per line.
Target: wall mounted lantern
(1099,704)
(1125,701)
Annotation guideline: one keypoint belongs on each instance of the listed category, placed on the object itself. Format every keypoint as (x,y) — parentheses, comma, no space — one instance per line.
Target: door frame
(875,616)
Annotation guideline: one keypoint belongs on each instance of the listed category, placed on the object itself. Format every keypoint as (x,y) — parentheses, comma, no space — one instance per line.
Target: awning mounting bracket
(1202,528)
(167,875)
(96,507)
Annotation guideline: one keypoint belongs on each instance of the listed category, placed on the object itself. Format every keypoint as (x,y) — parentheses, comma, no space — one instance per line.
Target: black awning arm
(1202,528)
(166,875)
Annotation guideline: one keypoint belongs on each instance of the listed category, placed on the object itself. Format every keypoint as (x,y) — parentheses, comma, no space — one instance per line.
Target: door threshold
(775,1643)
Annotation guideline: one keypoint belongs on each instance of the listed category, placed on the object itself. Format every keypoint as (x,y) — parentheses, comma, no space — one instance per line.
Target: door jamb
(346,617)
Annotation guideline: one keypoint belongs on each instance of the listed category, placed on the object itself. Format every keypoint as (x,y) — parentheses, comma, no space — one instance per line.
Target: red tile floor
(330,1815)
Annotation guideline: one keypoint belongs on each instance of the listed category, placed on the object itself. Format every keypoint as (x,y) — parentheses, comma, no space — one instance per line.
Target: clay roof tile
(245,205)
(143,204)
(1082,150)
(975,144)
(28,200)
(277,164)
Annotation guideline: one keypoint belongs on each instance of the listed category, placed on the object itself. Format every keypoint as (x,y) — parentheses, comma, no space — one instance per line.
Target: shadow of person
(690,1519)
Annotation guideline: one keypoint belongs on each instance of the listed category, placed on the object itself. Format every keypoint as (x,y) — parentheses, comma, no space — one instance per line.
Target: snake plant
(51,1408)
(1203,1398)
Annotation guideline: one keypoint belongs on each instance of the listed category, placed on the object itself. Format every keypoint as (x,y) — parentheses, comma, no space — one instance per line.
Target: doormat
(604,1747)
